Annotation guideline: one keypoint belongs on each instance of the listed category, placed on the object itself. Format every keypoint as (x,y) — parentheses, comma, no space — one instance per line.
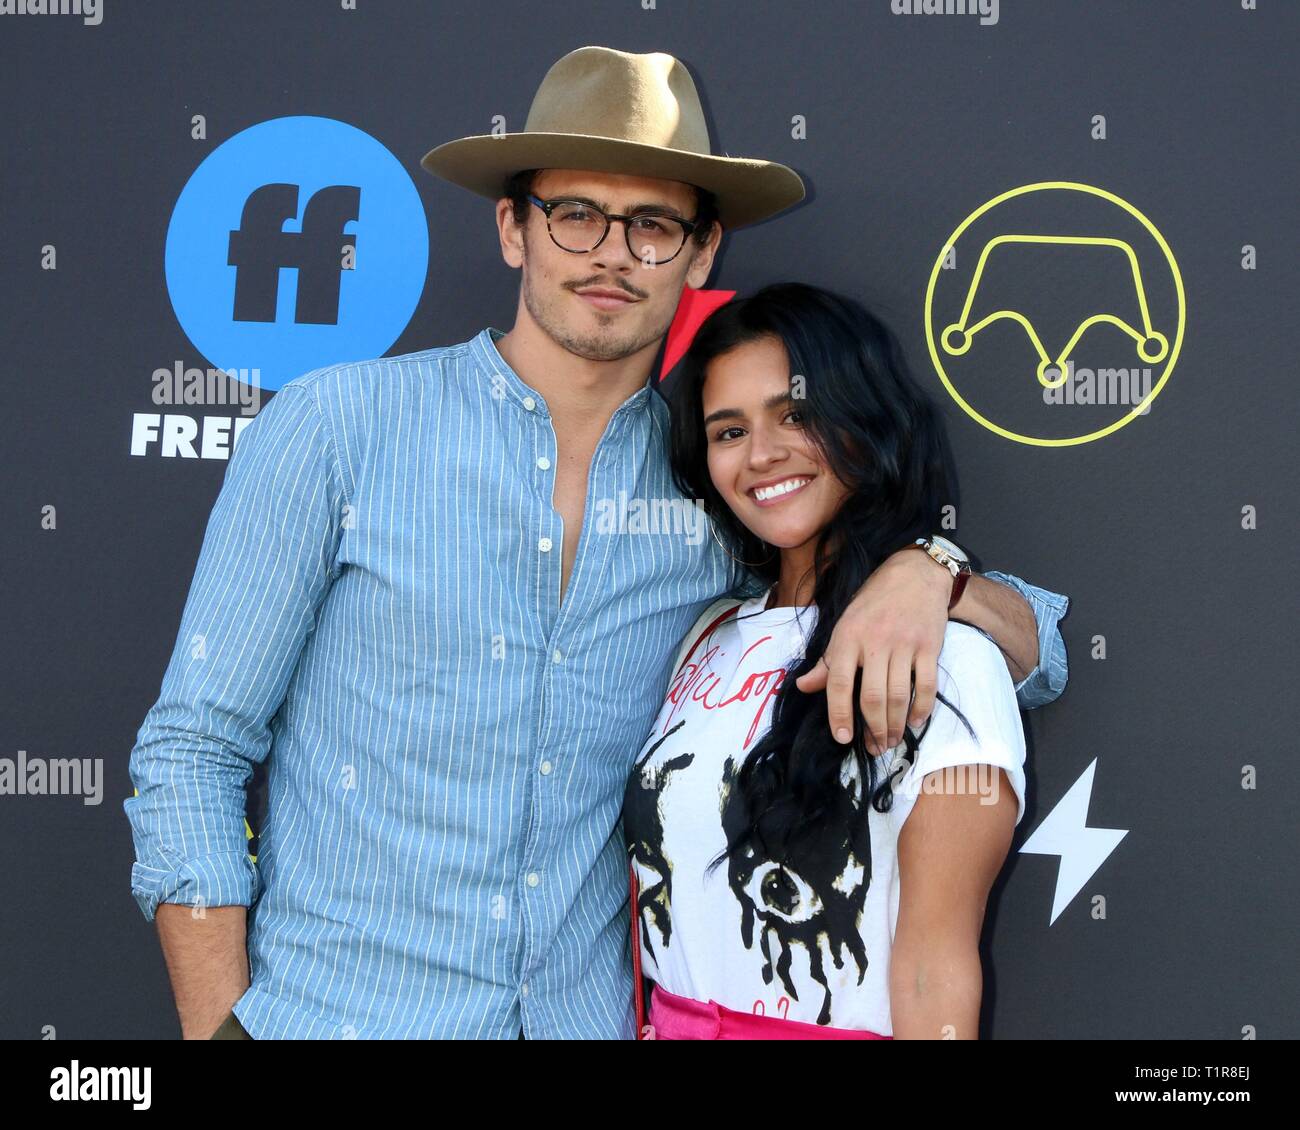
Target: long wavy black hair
(877,430)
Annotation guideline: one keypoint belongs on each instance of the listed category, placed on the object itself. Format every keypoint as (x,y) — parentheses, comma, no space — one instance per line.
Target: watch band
(960,569)
(959,586)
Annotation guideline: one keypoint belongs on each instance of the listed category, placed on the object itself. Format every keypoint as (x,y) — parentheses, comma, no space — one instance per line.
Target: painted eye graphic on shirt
(813,897)
(643,831)
(781,892)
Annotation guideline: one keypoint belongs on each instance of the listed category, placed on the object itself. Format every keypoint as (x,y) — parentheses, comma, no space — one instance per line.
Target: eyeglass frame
(546,206)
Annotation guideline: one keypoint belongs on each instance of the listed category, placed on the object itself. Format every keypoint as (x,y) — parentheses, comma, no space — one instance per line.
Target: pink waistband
(681,1018)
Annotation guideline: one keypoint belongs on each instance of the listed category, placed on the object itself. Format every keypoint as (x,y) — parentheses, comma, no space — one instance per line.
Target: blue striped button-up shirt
(376,609)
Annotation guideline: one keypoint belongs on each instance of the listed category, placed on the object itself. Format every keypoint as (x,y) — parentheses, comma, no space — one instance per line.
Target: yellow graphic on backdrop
(1152,345)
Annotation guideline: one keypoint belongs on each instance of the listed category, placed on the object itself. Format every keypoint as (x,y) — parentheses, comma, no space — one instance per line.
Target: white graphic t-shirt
(811,943)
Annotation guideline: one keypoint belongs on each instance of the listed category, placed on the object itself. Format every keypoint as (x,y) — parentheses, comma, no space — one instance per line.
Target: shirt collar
(521,393)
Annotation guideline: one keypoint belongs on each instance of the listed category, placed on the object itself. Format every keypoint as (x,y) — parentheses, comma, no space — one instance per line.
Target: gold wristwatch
(951,557)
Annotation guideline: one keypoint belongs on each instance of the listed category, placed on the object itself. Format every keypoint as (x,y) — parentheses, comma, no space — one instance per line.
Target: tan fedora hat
(615,112)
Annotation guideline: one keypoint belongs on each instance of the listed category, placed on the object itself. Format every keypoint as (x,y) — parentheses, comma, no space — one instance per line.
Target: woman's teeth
(763,494)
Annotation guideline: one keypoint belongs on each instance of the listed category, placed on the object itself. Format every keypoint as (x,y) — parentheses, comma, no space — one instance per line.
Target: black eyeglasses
(579,227)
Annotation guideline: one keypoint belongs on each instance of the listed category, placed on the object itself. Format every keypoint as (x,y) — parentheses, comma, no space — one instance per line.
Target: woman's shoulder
(969,652)
(711,619)
(974,679)
(973,676)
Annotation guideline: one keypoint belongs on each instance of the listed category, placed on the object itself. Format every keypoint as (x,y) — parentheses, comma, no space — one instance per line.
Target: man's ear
(511,234)
(702,258)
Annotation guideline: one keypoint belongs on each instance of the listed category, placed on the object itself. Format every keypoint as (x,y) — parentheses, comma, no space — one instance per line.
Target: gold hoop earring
(747,564)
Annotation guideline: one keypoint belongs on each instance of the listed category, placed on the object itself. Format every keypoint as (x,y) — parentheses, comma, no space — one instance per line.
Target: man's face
(552,276)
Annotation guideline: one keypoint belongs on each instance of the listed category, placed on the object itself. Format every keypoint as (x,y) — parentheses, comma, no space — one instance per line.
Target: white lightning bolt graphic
(1065,833)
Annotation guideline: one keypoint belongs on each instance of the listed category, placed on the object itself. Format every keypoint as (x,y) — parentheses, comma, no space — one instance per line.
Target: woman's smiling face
(761,460)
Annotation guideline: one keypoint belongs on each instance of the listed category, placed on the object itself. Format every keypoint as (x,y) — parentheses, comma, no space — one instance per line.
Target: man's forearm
(1006,616)
(207,959)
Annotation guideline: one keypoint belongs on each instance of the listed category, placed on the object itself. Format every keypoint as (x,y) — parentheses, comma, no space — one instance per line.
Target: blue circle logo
(298,243)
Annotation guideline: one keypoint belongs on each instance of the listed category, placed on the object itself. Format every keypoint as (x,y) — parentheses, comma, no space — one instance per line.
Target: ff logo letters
(297,243)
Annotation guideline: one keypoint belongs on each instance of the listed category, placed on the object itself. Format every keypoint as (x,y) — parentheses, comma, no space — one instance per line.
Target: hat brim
(748,190)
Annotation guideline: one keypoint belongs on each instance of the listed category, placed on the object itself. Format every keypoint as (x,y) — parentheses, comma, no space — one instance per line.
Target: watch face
(949,548)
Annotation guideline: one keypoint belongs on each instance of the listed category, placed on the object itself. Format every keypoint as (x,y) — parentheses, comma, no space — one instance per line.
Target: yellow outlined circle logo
(1151,345)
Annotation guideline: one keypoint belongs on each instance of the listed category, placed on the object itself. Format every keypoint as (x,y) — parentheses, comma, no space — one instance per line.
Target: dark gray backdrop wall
(1174,534)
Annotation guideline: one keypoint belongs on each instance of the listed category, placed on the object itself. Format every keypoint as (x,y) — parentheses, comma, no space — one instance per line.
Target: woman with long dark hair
(787,886)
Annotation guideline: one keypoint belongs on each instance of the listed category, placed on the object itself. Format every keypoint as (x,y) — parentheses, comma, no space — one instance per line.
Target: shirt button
(544,545)
(556,656)
(523,989)
(545,767)
(529,403)
(544,464)
(533,878)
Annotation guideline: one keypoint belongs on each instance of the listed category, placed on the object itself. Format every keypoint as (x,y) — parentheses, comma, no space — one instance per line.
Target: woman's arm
(950,849)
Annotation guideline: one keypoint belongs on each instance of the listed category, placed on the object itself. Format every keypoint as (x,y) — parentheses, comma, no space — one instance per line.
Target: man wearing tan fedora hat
(450,660)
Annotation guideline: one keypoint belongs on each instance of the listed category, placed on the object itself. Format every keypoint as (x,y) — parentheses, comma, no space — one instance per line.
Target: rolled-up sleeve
(1045,682)
(268,558)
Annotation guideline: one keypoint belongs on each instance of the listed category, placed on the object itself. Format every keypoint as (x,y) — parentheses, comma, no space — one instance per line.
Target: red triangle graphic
(695,306)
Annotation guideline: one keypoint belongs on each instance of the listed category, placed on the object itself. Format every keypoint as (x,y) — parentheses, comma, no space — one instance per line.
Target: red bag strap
(638,990)
(638,984)
(703,636)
